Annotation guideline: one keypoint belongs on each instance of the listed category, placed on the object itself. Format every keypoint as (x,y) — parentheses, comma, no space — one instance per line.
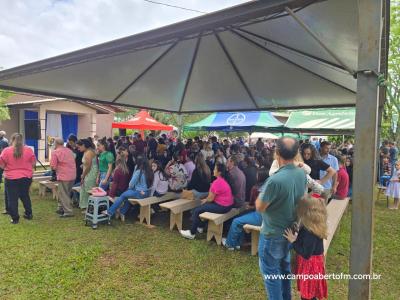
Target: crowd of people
(276,182)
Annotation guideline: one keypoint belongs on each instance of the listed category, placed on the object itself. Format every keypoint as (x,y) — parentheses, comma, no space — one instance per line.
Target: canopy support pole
(318,40)
(367,111)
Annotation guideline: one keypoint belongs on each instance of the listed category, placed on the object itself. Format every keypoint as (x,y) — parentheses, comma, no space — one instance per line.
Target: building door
(31,115)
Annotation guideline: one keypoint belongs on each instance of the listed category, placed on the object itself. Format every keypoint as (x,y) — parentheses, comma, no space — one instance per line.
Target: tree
(4,113)
(391,111)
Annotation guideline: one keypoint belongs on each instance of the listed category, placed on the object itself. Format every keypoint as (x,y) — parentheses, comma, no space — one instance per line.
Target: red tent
(142,121)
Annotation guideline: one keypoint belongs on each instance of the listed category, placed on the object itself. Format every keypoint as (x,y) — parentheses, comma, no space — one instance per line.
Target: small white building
(40,117)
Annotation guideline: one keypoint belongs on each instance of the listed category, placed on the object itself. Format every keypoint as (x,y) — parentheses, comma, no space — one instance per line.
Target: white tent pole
(367,107)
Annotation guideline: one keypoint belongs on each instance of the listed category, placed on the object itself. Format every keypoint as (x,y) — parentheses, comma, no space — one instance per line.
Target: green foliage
(4,113)
(391,109)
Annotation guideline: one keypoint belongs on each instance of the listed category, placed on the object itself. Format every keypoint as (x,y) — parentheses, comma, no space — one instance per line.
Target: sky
(31,30)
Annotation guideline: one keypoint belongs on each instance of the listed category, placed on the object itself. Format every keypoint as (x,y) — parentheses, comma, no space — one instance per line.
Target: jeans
(5,199)
(123,201)
(274,259)
(211,207)
(236,232)
(101,178)
(384,180)
(18,189)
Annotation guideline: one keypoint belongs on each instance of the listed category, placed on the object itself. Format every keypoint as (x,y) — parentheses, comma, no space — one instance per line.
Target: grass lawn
(52,258)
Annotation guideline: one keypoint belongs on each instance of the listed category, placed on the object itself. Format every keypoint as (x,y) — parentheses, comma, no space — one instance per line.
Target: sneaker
(187,234)
(14,221)
(228,247)
(200,229)
(5,212)
(60,211)
(28,217)
(66,216)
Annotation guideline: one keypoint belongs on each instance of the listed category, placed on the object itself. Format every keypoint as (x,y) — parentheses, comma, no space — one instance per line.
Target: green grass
(52,258)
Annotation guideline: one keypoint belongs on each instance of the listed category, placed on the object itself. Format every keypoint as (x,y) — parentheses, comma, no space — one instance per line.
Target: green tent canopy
(237,121)
(326,121)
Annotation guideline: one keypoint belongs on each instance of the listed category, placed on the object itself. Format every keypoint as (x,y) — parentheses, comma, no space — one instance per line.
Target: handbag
(186,194)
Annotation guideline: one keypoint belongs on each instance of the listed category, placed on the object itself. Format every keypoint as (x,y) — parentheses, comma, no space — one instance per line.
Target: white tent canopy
(249,57)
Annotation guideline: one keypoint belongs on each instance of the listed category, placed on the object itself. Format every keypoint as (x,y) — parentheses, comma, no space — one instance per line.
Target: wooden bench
(39,173)
(336,209)
(255,236)
(52,185)
(177,208)
(40,178)
(145,205)
(216,223)
(76,189)
(382,190)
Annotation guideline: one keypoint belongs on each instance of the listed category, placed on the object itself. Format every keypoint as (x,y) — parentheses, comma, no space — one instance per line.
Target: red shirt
(119,184)
(63,161)
(17,168)
(343,183)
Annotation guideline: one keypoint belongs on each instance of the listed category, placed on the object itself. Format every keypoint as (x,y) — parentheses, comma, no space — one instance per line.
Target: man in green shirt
(277,203)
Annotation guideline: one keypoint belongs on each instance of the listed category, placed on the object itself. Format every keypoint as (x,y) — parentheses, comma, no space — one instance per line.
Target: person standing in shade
(106,162)
(3,145)
(277,203)
(18,162)
(89,173)
(393,153)
(71,144)
(329,185)
(63,162)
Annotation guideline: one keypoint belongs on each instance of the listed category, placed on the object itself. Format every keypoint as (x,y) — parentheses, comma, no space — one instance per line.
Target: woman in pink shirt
(219,201)
(18,161)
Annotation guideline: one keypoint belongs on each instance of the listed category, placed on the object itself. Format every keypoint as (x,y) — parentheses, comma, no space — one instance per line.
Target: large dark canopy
(258,55)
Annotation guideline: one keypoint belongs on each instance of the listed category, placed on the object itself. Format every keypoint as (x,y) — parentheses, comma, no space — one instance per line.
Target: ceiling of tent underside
(249,57)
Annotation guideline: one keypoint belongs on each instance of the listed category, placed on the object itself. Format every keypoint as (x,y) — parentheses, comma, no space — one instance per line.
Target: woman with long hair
(139,188)
(160,184)
(121,176)
(106,163)
(18,161)
(313,160)
(201,178)
(208,154)
(219,201)
(89,171)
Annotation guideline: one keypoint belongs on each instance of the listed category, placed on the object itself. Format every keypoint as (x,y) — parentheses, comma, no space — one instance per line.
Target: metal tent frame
(262,55)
